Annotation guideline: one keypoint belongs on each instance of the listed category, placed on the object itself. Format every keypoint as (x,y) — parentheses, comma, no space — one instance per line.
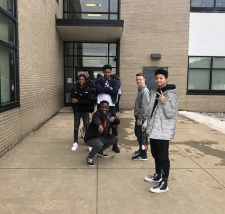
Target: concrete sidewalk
(42,175)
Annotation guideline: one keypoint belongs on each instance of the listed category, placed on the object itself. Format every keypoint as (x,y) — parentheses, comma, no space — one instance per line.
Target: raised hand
(161,96)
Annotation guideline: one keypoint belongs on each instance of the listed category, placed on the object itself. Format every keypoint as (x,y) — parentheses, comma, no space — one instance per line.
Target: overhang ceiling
(90,30)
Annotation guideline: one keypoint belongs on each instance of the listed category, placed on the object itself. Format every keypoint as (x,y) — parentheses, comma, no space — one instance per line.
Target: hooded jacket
(142,103)
(161,121)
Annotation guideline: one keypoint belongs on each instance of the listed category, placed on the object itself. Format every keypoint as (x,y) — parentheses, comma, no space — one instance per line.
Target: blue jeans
(138,134)
(86,122)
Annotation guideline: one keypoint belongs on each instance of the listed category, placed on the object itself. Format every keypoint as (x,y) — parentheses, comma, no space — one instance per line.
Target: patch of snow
(213,120)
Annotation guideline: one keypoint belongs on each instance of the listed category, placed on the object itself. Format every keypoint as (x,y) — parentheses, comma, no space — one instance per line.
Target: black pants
(138,134)
(86,122)
(100,144)
(160,152)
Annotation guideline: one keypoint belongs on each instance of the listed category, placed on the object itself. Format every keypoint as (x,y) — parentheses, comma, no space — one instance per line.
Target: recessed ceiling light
(94,15)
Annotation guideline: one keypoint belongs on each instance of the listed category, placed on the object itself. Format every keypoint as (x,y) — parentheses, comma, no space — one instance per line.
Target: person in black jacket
(91,84)
(81,100)
(97,135)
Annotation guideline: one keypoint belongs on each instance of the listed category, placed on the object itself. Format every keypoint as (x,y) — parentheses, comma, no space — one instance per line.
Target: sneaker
(89,148)
(116,149)
(137,152)
(139,157)
(75,146)
(162,187)
(82,133)
(90,162)
(102,154)
(155,178)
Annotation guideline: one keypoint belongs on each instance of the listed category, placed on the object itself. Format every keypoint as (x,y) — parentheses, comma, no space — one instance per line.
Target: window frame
(213,9)
(210,91)
(14,18)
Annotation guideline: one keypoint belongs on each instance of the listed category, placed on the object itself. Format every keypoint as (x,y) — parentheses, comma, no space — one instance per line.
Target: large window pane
(220,3)
(69,48)
(68,97)
(199,62)
(7,5)
(202,3)
(69,78)
(112,61)
(69,61)
(112,49)
(7,71)
(198,79)
(94,16)
(113,16)
(95,49)
(114,6)
(94,5)
(218,79)
(95,61)
(218,62)
(7,31)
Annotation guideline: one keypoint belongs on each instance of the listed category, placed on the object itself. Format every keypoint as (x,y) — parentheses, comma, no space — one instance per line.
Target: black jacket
(84,98)
(97,119)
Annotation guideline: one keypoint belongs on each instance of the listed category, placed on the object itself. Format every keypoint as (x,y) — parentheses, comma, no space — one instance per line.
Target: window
(207,5)
(8,56)
(91,9)
(206,75)
(92,56)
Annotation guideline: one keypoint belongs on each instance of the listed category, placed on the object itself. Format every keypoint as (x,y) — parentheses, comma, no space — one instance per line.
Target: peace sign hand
(161,96)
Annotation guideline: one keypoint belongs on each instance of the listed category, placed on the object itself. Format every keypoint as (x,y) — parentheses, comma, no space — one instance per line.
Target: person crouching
(97,135)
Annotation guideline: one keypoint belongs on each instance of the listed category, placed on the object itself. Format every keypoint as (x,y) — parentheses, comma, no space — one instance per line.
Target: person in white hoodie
(160,128)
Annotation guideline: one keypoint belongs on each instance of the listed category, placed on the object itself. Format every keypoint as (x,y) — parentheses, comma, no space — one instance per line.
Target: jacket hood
(167,87)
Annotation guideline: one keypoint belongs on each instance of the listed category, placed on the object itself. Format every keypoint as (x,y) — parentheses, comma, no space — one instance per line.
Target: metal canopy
(90,30)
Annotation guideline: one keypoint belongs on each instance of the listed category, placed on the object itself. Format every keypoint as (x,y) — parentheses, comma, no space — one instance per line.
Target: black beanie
(161,71)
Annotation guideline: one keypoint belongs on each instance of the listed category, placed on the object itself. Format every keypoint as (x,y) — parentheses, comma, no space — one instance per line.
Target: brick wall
(40,71)
(159,27)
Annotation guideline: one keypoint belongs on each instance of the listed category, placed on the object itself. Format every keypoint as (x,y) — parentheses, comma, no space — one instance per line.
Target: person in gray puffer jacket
(160,128)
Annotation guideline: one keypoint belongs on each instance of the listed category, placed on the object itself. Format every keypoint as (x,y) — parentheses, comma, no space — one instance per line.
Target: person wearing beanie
(160,128)
(81,103)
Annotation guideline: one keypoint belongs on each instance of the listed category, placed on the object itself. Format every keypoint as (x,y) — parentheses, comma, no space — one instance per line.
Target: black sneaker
(102,154)
(137,152)
(162,187)
(155,178)
(140,158)
(90,162)
(116,149)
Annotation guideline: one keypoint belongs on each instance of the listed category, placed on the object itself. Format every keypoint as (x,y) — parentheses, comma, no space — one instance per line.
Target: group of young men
(84,95)
(155,115)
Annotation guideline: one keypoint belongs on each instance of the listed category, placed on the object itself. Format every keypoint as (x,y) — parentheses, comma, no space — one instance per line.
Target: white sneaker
(89,148)
(75,146)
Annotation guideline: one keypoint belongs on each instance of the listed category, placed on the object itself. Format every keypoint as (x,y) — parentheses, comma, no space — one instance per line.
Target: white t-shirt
(106,97)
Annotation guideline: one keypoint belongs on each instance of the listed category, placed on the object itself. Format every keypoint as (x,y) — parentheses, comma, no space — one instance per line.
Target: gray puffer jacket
(162,124)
